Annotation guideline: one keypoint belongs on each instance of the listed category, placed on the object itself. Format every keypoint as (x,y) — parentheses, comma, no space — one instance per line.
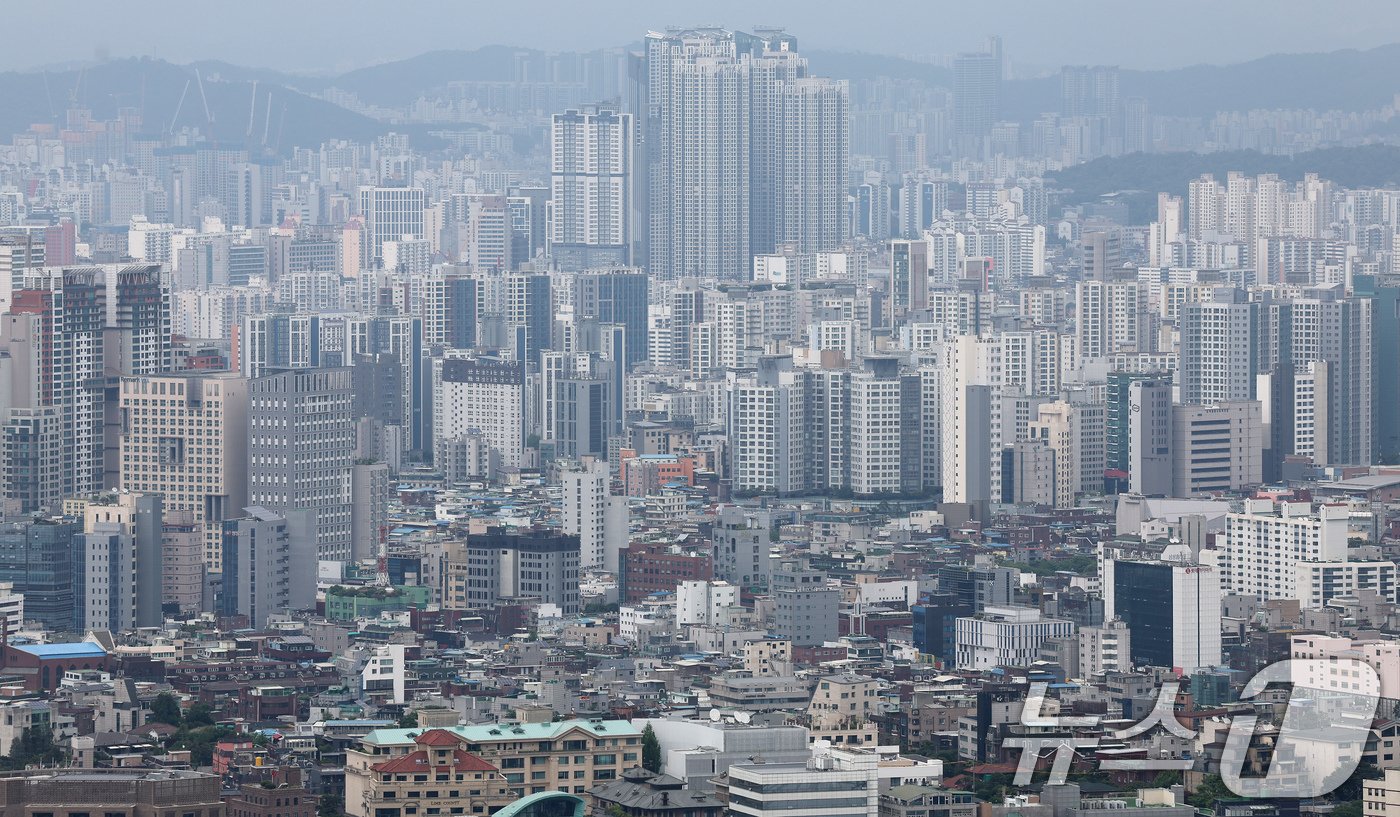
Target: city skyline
(714,426)
(1039,35)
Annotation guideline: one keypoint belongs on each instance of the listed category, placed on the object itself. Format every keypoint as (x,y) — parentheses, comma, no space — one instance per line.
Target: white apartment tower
(591,209)
(390,214)
(1265,543)
(971,419)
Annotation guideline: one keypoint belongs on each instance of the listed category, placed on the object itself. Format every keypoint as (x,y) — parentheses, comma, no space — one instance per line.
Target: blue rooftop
(81,649)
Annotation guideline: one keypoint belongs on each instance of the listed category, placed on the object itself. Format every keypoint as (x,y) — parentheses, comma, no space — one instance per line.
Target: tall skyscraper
(742,151)
(301,446)
(812,146)
(591,216)
(976,95)
(1091,91)
(698,154)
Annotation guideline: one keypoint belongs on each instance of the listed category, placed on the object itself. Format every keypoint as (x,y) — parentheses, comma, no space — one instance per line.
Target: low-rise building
(131,792)
(640,793)
(436,776)
(927,801)
(567,755)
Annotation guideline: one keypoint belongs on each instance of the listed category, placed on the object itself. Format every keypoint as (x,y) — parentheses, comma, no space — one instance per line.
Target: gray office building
(805,607)
(269,564)
(301,449)
(541,564)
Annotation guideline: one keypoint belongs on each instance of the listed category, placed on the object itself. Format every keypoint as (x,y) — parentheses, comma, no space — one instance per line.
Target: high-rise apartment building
(743,151)
(1091,91)
(390,213)
(1264,544)
(971,424)
(592,214)
(1219,348)
(20,256)
(55,337)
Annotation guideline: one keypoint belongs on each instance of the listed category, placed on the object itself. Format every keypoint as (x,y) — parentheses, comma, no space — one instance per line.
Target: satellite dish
(714,715)
(743,716)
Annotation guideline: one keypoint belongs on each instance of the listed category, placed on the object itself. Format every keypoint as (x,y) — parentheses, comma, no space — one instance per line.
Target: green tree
(651,750)
(1351,789)
(165,709)
(35,747)
(409,720)
(201,742)
(330,805)
(1167,779)
(199,715)
(1212,788)
(1351,808)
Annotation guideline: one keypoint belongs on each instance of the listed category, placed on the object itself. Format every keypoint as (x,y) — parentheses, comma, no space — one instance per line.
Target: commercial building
(832,782)
(119,563)
(437,773)
(533,757)
(133,792)
(1216,448)
(506,564)
(390,213)
(805,607)
(185,438)
(301,448)
(481,395)
(269,563)
(1005,637)
(1171,609)
(36,557)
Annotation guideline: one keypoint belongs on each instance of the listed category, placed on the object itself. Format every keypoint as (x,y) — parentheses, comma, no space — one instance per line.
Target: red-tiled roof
(437,737)
(418,762)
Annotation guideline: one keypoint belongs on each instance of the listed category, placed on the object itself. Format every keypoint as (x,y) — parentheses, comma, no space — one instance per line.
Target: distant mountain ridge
(155,88)
(1346,80)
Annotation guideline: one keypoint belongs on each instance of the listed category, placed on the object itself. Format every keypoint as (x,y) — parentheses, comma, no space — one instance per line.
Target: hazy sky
(321,35)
